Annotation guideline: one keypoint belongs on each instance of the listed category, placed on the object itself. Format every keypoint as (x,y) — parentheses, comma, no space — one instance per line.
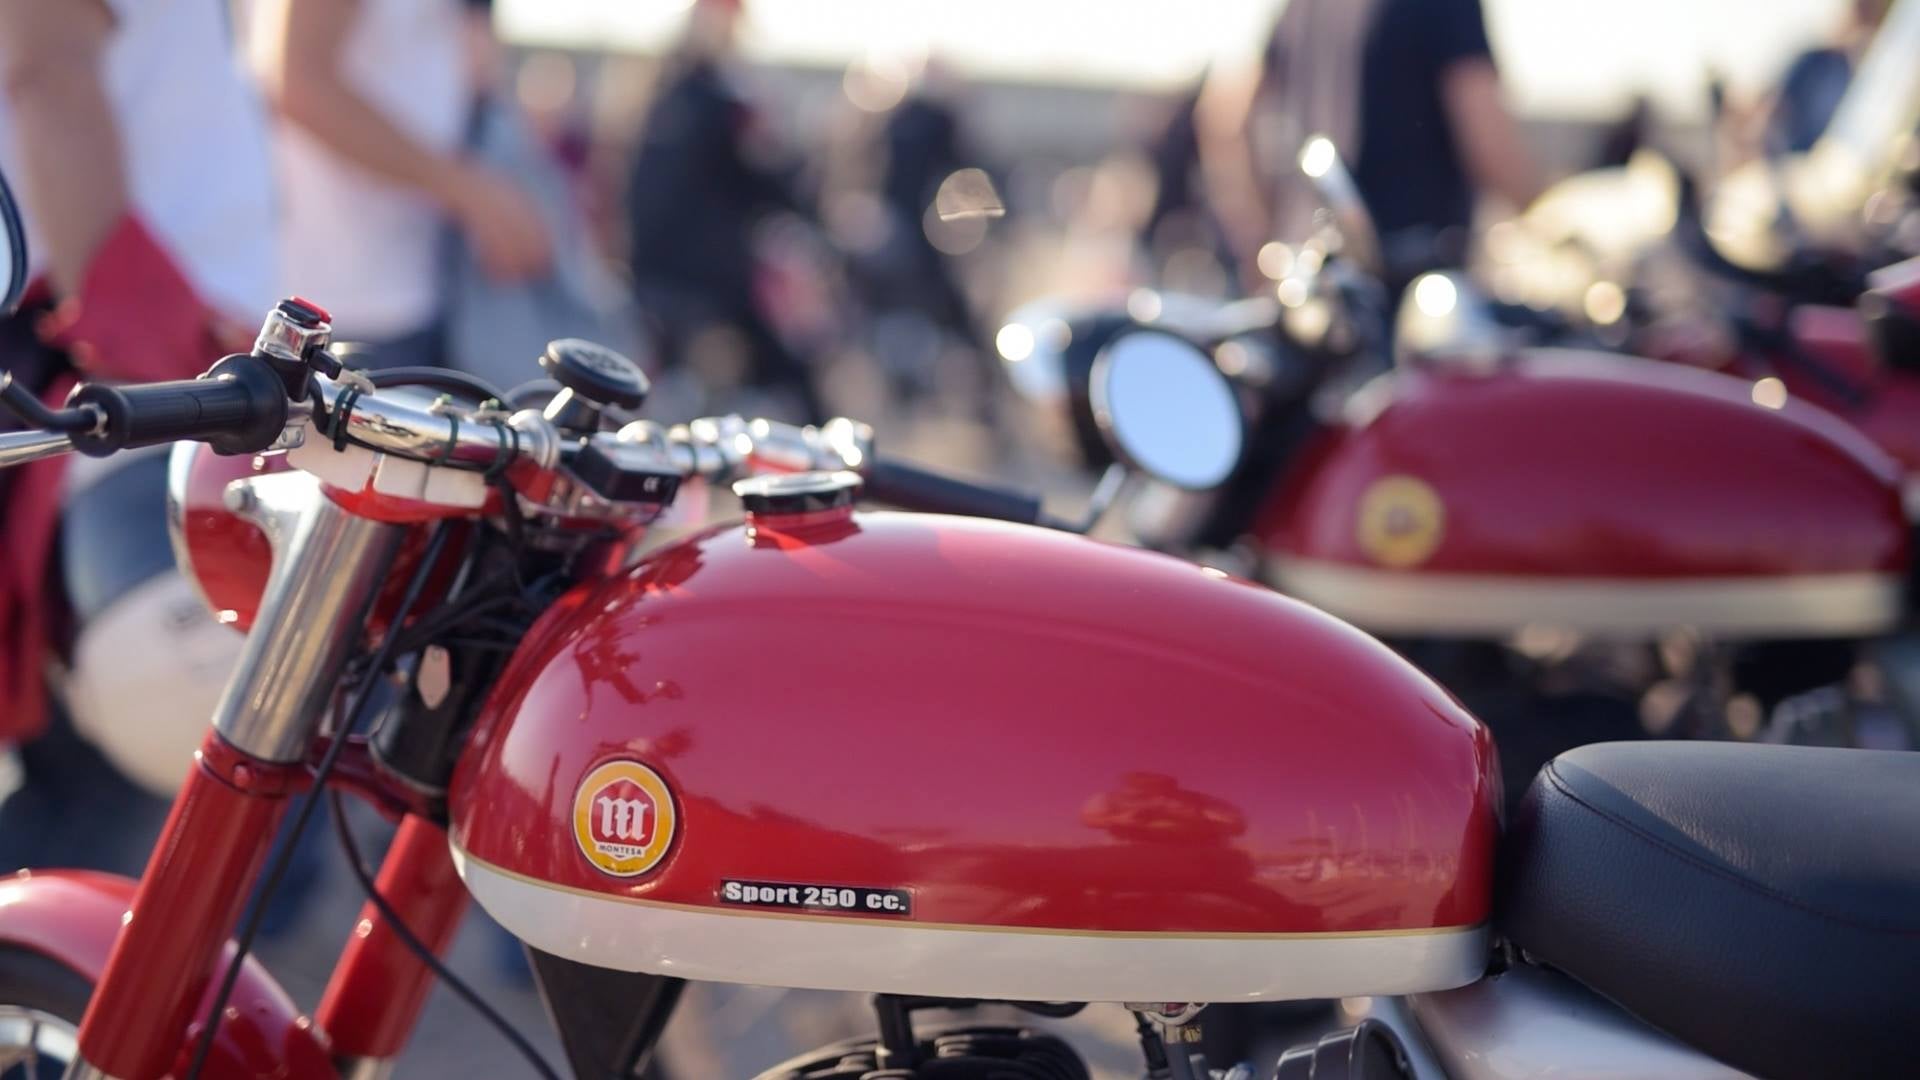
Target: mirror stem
(1105,494)
(20,401)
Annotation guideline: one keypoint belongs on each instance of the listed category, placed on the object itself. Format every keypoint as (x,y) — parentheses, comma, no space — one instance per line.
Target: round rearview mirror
(1166,410)
(13,251)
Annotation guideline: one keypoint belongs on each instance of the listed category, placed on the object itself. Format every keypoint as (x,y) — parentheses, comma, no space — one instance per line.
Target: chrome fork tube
(328,565)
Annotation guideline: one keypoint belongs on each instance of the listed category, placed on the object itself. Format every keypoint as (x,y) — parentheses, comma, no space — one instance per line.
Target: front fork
(329,565)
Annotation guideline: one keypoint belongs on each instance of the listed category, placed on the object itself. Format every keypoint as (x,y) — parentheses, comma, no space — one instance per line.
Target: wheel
(41,1002)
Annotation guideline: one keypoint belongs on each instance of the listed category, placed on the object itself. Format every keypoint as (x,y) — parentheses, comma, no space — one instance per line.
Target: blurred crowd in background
(826,241)
(836,238)
(793,241)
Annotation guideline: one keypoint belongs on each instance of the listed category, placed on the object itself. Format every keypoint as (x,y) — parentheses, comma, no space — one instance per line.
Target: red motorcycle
(942,759)
(1624,543)
(1836,328)
(1800,273)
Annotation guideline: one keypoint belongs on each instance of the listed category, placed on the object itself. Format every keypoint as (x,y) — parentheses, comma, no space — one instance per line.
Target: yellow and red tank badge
(624,818)
(1401,521)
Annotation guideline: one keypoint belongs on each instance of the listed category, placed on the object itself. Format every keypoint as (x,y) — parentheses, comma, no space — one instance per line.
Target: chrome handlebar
(439,433)
(413,442)
(721,448)
(20,447)
(429,431)
(435,432)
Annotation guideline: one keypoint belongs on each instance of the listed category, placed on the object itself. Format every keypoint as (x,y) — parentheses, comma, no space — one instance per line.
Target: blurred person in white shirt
(374,100)
(138,155)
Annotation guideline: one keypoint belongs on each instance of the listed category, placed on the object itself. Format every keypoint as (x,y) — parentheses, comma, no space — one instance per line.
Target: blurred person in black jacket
(1816,80)
(923,143)
(1410,93)
(701,181)
(938,192)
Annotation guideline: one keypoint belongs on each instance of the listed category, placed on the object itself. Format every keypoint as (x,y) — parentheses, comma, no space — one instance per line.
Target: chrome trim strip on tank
(1402,602)
(828,953)
(1531,1022)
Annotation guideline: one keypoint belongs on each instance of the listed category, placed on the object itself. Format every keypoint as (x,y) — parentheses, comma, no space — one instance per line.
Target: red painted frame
(379,986)
(203,867)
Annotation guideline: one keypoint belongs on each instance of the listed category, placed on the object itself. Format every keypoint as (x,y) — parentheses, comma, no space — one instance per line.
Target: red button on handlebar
(319,313)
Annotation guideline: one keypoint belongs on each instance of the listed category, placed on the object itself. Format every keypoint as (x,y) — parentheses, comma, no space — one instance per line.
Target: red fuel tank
(1593,492)
(945,756)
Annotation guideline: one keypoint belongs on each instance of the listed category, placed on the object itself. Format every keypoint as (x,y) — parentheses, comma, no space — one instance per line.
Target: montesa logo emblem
(1402,521)
(623,818)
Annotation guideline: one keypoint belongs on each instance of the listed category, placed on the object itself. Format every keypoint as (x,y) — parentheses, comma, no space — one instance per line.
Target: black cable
(358,865)
(337,419)
(458,382)
(486,598)
(531,394)
(271,883)
(478,616)
(479,643)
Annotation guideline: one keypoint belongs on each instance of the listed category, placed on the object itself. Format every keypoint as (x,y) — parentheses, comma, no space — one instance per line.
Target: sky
(1561,57)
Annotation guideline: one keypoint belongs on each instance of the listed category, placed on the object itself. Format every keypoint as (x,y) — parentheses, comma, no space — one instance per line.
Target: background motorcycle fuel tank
(1590,492)
(946,756)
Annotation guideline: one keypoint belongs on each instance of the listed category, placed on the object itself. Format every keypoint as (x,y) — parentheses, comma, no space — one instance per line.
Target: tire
(34,981)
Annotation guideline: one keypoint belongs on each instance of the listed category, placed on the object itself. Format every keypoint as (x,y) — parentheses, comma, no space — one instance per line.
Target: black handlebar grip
(913,488)
(238,407)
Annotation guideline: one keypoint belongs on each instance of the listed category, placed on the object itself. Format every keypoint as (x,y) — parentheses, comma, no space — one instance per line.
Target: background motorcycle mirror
(1166,410)
(13,251)
(1320,161)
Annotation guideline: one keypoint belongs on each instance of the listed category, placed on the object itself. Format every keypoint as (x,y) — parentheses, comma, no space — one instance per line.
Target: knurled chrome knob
(596,373)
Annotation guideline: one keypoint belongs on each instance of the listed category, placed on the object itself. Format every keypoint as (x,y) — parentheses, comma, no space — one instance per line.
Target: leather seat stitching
(1553,777)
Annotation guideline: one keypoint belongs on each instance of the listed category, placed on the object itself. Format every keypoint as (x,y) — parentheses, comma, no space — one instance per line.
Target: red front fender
(72,917)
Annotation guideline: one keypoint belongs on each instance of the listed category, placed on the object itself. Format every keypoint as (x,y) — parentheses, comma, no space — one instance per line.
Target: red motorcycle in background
(943,759)
(1621,544)
(1800,273)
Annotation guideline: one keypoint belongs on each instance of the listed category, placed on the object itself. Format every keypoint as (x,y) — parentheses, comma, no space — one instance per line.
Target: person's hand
(502,224)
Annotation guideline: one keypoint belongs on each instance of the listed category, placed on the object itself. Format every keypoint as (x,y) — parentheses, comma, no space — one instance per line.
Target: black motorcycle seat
(1761,903)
